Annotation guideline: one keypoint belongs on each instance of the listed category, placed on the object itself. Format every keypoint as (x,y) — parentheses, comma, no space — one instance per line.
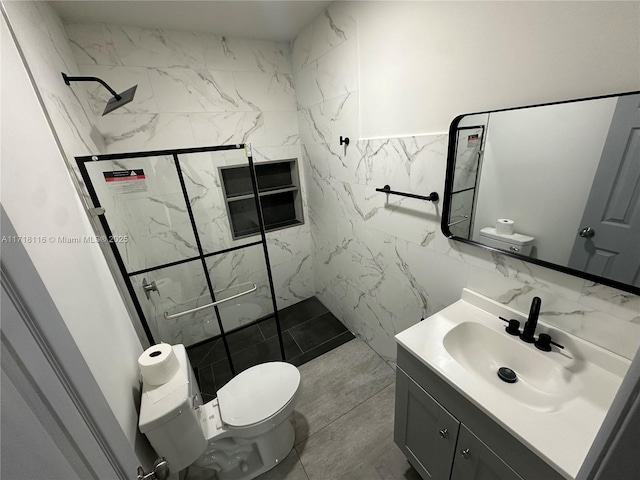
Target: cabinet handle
(444,433)
(465,453)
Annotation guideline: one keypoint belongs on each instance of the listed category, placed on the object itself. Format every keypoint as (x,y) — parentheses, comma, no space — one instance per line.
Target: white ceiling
(265,20)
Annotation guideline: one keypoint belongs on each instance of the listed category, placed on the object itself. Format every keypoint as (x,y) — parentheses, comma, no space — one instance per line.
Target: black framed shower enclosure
(138,191)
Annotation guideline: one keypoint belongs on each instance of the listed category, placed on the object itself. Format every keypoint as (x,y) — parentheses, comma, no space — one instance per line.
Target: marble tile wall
(193,89)
(381,264)
(200,90)
(43,41)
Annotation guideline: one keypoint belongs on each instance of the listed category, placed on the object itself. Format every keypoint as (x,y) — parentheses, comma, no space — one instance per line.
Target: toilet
(239,435)
(516,242)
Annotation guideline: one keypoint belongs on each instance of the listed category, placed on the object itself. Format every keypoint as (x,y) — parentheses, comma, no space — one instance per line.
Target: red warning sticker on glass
(124,175)
(126,181)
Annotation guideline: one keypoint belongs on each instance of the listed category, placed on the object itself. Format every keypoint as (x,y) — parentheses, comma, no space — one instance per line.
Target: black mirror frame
(448,188)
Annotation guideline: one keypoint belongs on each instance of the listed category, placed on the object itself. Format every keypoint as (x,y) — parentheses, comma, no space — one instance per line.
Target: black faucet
(532,321)
(544,341)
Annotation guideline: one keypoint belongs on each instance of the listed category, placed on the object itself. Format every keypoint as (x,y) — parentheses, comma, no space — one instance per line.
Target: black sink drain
(507,375)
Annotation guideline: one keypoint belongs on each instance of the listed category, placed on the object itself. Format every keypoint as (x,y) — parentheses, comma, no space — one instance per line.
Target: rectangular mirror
(556,184)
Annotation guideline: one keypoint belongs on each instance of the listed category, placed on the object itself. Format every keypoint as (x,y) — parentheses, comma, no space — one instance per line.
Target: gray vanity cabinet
(475,461)
(424,430)
(435,442)
(446,437)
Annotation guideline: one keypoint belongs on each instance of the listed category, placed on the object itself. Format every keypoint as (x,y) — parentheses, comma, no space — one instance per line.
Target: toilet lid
(258,393)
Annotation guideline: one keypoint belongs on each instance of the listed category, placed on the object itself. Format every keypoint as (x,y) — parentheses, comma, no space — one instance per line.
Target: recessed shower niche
(279,191)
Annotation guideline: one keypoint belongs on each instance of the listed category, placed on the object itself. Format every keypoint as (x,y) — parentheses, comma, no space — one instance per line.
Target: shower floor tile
(317,331)
(294,315)
(308,331)
(238,340)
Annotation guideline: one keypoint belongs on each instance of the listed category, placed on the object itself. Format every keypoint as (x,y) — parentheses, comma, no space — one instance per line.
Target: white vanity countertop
(558,423)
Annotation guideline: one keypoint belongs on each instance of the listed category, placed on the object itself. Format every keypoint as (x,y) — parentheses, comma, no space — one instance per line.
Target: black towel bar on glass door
(433,196)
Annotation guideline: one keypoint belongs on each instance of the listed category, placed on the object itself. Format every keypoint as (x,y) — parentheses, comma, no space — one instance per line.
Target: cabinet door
(425,432)
(475,461)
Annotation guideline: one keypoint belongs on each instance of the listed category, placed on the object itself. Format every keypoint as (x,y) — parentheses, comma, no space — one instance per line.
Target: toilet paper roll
(504,226)
(158,364)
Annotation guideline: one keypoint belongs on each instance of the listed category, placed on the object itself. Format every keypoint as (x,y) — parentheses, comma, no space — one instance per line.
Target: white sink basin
(542,384)
(560,398)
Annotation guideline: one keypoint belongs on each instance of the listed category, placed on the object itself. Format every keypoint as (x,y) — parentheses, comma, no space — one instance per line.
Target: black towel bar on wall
(432,197)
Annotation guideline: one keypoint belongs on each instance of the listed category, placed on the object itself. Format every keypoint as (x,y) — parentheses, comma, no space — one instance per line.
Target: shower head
(118,99)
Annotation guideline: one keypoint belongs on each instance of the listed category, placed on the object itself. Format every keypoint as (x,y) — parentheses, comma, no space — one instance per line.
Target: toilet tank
(170,417)
(516,242)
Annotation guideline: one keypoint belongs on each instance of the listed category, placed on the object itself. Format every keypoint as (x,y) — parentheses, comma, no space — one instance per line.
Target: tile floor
(344,420)
(308,331)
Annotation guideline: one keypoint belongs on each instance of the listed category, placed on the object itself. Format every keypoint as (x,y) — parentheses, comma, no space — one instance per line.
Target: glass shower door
(145,208)
(237,267)
(150,229)
(170,233)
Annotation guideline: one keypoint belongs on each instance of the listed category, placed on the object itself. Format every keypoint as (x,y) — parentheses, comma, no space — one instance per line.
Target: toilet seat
(258,394)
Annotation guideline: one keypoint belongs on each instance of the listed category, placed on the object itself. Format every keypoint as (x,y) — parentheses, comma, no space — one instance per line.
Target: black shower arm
(68,80)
